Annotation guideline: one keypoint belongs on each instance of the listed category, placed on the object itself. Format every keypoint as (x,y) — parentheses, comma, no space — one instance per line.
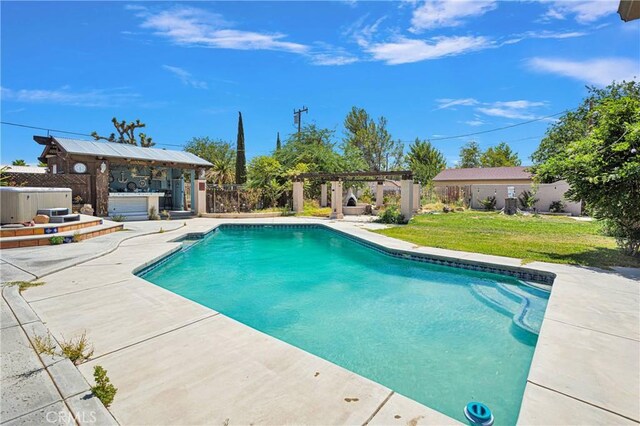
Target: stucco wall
(481,182)
(546,194)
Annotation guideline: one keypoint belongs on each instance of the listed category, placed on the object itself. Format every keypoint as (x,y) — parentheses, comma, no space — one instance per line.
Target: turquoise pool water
(442,336)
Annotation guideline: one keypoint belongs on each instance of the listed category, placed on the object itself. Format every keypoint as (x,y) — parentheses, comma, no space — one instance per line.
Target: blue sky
(434,69)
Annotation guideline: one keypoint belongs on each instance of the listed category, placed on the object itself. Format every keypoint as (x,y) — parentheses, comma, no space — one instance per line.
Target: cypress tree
(241,162)
(278,145)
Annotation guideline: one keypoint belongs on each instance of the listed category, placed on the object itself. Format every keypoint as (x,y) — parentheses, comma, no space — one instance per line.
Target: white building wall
(546,194)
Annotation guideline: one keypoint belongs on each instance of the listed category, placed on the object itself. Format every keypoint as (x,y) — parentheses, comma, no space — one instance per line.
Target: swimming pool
(439,335)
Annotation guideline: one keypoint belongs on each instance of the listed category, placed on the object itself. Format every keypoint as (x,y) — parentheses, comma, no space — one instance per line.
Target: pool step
(524,305)
(535,300)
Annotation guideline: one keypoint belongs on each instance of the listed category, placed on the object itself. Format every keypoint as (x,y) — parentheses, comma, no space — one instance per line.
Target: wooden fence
(80,185)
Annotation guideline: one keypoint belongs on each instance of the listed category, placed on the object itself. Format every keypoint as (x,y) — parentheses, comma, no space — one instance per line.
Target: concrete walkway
(177,362)
(39,389)
(31,262)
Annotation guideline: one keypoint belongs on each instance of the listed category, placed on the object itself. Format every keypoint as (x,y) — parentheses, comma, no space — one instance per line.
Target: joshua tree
(126,133)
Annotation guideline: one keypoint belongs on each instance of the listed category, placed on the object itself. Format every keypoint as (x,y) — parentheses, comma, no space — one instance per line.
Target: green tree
(126,133)
(18,163)
(470,154)
(371,141)
(425,161)
(575,124)
(265,173)
(602,160)
(217,152)
(278,143)
(500,155)
(312,146)
(42,164)
(241,161)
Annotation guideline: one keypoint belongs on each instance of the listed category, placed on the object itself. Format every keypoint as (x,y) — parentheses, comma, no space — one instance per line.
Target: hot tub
(21,204)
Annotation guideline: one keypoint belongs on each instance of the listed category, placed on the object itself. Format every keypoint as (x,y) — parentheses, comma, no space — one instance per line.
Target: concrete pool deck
(177,362)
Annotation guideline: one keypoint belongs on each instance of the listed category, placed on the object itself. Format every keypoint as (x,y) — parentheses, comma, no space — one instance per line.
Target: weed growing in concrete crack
(77,350)
(44,344)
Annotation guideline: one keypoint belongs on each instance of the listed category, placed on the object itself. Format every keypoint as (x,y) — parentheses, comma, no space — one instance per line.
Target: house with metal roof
(127,180)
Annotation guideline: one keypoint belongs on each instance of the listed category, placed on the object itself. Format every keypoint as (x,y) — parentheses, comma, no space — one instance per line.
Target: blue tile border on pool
(523,274)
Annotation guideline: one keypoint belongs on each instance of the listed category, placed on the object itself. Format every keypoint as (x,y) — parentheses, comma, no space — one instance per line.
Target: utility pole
(297,116)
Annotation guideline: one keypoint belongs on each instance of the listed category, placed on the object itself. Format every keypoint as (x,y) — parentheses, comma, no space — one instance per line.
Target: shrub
(77,350)
(556,207)
(392,198)
(527,199)
(392,215)
(166,214)
(103,389)
(117,218)
(489,203)
(56,240)
(153,215)
(76,237)
(366,196)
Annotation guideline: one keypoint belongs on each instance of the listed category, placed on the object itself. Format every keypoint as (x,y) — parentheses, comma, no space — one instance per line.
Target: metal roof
(121,150)
(484,173)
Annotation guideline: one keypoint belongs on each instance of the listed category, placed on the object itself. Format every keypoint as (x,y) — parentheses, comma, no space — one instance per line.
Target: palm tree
(18,163)
(223,169)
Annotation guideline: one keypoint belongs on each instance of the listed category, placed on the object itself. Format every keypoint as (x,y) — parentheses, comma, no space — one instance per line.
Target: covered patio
(130,181)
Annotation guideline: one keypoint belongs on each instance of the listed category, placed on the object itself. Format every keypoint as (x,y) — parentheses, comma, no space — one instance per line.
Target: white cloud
(134,7)
(195,27)
(506,113)
(186,77)
(583,11)
(522,104)
(448,13)
(450,103)
(405,50)
(333,59)
(65,96)
(520,109)
(554,34)
(601,71)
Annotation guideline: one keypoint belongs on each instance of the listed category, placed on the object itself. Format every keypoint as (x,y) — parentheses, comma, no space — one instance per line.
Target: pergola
(408,203)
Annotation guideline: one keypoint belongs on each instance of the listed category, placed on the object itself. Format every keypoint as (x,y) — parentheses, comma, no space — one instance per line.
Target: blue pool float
(478,414)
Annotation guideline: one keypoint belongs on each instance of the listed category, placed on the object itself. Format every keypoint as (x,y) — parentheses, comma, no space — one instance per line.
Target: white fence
(546,194)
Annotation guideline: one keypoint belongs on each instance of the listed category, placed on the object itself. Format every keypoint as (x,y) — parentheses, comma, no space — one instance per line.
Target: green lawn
(543,238)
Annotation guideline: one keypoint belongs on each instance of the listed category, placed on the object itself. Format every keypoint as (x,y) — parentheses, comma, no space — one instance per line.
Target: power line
(500,128)
(68,132)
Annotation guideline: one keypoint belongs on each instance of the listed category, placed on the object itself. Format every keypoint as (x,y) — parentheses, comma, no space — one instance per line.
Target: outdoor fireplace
(351,206)
(351,200)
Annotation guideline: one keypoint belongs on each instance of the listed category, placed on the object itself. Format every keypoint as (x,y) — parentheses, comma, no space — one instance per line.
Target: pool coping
(518,272)
(530,410)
